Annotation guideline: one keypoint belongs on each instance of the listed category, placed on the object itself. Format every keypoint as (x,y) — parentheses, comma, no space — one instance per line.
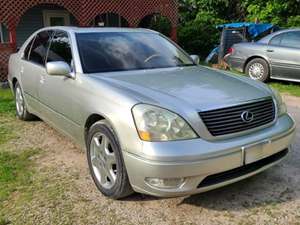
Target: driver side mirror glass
(196,59)
(58,69)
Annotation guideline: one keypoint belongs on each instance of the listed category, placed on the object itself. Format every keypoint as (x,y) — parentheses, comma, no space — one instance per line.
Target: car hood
(201,87)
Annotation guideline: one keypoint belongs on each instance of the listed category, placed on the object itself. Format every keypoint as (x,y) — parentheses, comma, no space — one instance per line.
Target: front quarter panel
(13,68)
(101,98)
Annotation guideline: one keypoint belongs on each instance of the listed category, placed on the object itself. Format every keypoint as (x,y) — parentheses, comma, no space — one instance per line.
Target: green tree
(198,36)
(197,31)
(281,13)
(161,24)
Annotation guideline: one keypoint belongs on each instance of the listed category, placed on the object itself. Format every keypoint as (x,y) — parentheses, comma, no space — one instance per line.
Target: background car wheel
(258,69)
(21,109)
(106,163)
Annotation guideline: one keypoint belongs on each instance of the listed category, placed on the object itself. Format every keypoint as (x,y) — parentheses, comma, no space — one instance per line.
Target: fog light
(165,182)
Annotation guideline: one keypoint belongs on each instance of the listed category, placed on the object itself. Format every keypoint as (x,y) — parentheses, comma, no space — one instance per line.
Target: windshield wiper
(186,65)
(181,62)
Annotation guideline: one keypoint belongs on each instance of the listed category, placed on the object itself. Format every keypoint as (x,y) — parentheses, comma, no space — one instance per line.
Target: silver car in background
(151,119)
(275,56)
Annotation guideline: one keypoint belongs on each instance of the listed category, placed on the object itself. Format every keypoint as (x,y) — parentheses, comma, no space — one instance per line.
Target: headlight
(280,104)
(157,124)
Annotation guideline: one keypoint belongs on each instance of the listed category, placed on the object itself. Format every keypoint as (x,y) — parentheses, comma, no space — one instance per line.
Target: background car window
(291,39)
(60,48)
(27,49)
(276,40)
(40,47)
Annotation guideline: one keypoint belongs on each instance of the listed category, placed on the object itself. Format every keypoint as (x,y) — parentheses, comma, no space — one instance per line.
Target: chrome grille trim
(228,120)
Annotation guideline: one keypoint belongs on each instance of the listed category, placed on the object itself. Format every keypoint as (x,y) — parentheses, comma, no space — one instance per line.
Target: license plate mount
(257,151)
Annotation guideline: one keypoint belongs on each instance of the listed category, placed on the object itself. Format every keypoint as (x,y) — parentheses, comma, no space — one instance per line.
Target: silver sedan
(275,56)
(151,119)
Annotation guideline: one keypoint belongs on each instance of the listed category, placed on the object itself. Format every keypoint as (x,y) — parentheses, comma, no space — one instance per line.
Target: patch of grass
(15,175)
(6,132)
(46,199)
(7,104)
(286,87)
(15,171)
(7,116)
(4,221)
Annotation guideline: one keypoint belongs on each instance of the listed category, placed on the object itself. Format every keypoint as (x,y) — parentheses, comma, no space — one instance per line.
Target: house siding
(23,17)
(33,20)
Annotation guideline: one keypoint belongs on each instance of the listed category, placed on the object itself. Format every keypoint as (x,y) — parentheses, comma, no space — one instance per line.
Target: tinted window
(276,40)
(60,48)
(105,52)
(291,39)
(27,49)
(40,47)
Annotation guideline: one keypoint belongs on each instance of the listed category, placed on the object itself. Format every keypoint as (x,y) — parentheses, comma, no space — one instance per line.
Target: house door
(56,18)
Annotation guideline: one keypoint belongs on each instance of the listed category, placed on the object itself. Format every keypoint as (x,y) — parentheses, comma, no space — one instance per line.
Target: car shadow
(268,188)
(251,193)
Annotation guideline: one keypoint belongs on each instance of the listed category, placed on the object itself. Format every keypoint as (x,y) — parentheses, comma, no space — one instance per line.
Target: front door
(284,55)
(56,18)
(57,94)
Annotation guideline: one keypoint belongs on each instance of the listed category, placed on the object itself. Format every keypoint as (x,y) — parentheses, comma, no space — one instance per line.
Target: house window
(56,18)
(110,20)
(1,34)
(4,34)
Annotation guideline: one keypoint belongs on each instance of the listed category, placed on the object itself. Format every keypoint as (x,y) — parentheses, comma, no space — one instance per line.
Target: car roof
(99,29)
(270,36)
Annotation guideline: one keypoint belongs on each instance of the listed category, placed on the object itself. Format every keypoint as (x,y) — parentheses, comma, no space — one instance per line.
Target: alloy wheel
(256,71)
(103,160)
(19,101)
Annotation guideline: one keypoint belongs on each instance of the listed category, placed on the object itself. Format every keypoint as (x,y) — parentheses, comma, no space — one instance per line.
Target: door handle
(42,79)
(22,70)
(270,50)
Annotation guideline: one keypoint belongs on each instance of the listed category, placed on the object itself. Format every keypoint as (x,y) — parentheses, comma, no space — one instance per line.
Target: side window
(60,48)
(40,47)
(291,39)
(28,48)
(276,40)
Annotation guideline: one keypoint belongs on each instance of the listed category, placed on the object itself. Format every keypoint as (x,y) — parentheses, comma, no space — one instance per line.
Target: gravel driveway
(272,197)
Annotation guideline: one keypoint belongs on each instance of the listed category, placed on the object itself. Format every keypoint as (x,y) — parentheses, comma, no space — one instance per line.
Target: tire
(21,108)
(258,69)
(106,164)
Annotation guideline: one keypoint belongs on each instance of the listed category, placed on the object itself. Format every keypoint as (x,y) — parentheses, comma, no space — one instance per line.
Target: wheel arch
(94,118)
(14,82)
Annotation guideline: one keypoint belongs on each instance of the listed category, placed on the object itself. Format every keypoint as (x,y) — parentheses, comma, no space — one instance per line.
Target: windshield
(113,51)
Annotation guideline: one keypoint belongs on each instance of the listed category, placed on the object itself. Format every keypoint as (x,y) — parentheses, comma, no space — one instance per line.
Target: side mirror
(195,58)
(58,68)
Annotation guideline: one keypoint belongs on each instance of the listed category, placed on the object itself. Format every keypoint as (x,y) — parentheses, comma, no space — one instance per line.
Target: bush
(200,35)
(293,21)
(161,24)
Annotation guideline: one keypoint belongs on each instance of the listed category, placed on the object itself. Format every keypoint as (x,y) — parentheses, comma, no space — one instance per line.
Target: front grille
(229,120)
(241,171)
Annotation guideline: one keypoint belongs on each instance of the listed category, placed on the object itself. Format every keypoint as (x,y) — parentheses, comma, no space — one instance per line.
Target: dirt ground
(67,195)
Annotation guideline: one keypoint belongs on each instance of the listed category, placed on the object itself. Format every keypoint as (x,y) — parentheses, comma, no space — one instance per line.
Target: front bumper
(198,160)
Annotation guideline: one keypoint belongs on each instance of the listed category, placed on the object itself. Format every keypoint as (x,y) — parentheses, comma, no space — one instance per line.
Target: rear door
(33,67)
(284,54)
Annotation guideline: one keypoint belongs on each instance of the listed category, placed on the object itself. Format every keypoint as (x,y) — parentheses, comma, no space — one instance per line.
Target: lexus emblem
(247,116)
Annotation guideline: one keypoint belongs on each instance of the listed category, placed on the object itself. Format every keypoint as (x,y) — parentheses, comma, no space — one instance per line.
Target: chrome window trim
(71,45)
